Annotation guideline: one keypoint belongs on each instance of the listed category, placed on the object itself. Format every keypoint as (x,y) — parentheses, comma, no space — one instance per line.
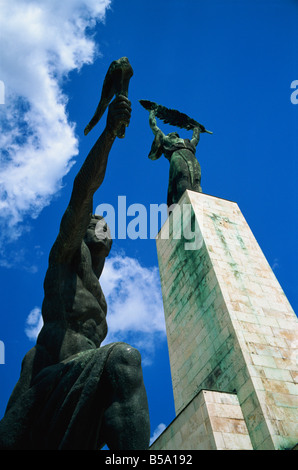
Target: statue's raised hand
(119,114)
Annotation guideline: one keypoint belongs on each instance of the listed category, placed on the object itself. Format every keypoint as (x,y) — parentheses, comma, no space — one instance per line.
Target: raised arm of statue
(91,175)
(157,145)
(196,136)
(152,122)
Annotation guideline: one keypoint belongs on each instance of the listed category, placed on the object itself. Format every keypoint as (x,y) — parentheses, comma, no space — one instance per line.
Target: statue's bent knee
(124,369)
(125,355)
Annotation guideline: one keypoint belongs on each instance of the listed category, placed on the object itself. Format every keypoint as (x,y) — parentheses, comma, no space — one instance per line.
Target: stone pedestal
(211,421)
(230,328)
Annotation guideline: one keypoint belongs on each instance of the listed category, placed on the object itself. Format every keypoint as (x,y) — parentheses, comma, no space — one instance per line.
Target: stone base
(230,327)
(211,421)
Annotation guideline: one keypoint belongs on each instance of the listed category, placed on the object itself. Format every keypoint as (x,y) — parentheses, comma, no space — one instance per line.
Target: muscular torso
(74,307)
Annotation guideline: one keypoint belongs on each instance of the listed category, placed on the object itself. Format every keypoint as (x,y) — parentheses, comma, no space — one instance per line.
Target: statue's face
(98,237)
(174,136)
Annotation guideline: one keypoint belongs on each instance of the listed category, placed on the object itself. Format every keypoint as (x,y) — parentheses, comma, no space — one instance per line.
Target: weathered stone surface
(229,324)
(211,421)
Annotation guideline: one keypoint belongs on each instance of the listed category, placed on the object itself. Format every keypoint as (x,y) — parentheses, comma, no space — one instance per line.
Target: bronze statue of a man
(72,393)
(185,170)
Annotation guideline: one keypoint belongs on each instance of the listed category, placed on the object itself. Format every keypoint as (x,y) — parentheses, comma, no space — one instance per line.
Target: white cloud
(133,295)
(275,264)
(41,42)
(135,307)
(34,323)
(160,428)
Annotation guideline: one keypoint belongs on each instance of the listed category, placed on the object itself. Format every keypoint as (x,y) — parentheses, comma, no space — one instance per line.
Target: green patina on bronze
(185,170)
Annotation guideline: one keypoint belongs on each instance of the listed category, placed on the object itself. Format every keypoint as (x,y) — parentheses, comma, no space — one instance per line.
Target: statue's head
(174,135)
(98,237)
(157,149)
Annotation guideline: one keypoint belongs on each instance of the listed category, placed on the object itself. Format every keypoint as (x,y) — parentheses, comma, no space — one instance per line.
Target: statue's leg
(126,424)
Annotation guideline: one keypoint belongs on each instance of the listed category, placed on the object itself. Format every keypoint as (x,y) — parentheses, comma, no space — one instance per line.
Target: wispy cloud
(34,323)
(275,264)
(41,42)
(135,308)
(160,428)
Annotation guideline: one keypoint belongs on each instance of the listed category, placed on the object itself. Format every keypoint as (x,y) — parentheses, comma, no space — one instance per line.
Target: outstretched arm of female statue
(152,121)
(195,136)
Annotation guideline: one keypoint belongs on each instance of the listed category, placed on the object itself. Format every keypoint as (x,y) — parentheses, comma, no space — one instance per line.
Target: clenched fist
(119,115)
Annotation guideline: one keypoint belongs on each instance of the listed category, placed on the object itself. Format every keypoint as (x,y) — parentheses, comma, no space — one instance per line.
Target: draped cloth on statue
(59,408)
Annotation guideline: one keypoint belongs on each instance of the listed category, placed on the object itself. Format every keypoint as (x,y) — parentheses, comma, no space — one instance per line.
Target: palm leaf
(172,116)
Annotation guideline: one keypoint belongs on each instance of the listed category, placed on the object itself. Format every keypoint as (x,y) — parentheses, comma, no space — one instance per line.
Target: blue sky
(227,63)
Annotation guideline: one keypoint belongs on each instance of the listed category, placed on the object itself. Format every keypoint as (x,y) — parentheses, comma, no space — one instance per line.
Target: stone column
(230,327)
